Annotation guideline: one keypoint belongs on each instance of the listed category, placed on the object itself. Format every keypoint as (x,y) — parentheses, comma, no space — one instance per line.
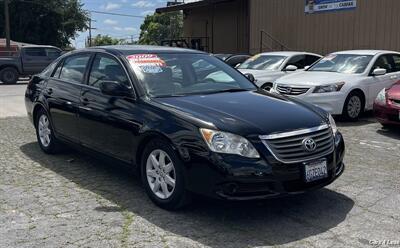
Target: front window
(343,63)
(165,75)
(263,62)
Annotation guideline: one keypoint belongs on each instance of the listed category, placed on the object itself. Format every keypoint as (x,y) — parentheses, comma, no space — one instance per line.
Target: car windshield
(164,75)
(263,62)
(343,63)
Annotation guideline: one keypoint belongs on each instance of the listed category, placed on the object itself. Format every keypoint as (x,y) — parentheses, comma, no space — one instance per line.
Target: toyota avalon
(163,112)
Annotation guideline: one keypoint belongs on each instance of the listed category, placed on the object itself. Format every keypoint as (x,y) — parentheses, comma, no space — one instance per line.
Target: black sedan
(186,121)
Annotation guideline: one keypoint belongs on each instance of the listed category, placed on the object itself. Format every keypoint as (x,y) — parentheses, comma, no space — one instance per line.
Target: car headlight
(329,88)
(381,97)
(332,123)
(222,142)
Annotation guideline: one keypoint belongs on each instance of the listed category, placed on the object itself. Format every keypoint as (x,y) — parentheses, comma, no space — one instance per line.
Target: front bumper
(387,114)
(330,102)
(234,178)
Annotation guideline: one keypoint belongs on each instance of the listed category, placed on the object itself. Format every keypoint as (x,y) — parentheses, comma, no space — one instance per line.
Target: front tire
(44,133)
(353,106)
(162,175)
(9,75)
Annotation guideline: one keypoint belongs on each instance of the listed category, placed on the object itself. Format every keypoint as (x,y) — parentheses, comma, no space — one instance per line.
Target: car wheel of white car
(353,106)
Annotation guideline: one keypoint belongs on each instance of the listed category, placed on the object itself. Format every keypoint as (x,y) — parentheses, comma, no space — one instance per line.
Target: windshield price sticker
(147,63)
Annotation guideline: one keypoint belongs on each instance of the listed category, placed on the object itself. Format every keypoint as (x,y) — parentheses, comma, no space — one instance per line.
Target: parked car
(149,108)
(267,67)
(28,61)
(387,106)
(344,83)
(232,59)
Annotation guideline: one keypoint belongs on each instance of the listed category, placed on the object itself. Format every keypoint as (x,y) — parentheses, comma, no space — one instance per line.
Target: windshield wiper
(228,90)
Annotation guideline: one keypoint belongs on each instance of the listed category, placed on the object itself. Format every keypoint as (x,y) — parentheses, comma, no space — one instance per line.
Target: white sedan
(267,67)
(344,83)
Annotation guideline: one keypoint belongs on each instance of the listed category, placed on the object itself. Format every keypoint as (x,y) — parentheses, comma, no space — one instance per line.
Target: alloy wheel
(354,106)
(160,172)
(44,130)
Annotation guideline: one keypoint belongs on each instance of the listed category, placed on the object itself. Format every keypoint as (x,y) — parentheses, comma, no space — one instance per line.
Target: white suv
(344,83)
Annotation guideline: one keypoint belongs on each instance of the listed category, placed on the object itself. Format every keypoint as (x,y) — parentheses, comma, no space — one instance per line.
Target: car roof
(364,52)
(288,53)
(39,46)
(135,49)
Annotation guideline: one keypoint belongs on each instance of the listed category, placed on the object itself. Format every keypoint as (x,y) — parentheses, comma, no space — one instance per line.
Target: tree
(159,27)
(49,22)
(103,40)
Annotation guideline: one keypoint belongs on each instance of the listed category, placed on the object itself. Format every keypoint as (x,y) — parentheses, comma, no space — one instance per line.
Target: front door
(107,123)
(377,83)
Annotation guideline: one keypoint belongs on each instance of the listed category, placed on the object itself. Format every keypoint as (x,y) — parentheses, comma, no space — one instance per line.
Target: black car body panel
(120,126)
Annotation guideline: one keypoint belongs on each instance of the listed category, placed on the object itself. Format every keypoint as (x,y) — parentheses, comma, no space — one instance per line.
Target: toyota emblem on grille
(309,144)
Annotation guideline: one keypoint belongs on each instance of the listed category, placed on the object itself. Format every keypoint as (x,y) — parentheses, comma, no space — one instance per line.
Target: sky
(118,26)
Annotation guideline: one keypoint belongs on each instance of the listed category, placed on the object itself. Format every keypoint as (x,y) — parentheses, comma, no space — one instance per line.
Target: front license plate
(316,170)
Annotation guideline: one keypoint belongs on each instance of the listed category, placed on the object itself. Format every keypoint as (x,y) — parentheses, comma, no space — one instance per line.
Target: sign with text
(315,6)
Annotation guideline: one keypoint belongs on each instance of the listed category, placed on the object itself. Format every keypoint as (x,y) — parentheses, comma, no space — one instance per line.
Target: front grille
(396,102)
(288,147)
(288,90)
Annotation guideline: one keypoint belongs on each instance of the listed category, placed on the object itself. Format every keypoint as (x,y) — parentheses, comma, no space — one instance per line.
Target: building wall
(374,24)
(226,24)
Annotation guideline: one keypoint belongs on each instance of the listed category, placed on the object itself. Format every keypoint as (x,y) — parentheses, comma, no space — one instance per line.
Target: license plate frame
(315,170)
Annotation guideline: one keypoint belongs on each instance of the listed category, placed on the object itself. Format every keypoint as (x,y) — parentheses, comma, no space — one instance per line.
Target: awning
(191,5)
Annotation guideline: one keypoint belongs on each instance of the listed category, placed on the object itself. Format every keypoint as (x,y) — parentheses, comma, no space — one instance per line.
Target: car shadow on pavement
(208,222)
(392,132)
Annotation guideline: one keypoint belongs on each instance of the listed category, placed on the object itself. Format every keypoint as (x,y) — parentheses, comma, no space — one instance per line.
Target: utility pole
(7,25)
(90,31)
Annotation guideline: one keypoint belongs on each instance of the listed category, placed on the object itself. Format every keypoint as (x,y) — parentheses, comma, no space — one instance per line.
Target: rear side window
(74,68)
(35,52)
(52,53)
(106,68)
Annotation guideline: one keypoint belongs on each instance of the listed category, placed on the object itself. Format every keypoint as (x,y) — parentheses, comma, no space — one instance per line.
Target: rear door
(63,95)
(107,123)
(34,59)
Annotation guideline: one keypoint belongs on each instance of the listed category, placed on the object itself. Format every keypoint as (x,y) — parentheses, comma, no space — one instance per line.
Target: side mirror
(250,77)
(113,88)
(379,72)
(290,68)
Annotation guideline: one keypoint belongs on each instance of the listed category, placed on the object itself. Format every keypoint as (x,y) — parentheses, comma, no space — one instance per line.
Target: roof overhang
(192,5)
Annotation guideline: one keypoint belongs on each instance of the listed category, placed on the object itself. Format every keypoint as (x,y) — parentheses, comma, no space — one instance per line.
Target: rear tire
(9,75)
(267,86)
(353,106)
(45,134)
(163,176)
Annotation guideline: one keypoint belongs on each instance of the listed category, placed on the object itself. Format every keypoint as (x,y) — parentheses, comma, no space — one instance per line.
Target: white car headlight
(381,97)
(329,88)
(332,123)
(229,143)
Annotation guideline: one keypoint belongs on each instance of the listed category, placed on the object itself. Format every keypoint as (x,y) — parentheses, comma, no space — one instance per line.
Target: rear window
(35,52)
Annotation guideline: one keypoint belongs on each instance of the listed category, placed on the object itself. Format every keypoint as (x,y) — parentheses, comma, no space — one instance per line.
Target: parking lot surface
(73,200)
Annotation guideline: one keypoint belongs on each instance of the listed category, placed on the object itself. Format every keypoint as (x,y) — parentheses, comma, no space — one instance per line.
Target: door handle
(393,77)
(84,100)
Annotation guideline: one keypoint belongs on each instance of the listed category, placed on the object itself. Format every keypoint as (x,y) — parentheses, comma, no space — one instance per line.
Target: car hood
(394,91)
(314,78)
(262,73)
(245,113)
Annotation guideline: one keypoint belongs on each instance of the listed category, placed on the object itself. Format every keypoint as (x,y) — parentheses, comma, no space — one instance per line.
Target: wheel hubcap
(160,173)
(354,106)
(44,130)
(9,76)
